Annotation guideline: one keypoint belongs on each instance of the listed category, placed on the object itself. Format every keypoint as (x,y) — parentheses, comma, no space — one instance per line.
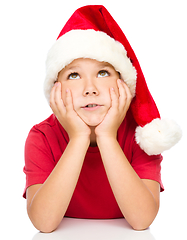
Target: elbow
(143,221)
(44,224)
(45,227)
(140,225)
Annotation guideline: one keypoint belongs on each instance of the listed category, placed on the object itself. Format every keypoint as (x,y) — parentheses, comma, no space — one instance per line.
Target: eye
(103,73)
(73,76)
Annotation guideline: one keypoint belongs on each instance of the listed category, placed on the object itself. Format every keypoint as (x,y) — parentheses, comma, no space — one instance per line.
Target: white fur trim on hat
(158,136)
(88,44)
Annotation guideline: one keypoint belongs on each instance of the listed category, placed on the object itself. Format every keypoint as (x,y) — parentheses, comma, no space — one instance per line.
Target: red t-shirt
(93,196)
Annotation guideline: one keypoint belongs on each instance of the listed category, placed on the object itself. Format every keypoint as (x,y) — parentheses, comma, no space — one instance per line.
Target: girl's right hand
(66,115)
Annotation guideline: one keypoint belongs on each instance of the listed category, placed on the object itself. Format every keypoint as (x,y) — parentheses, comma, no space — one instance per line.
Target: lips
(91,106)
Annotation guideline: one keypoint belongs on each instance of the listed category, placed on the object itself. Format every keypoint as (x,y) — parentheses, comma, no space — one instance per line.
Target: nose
(90,89)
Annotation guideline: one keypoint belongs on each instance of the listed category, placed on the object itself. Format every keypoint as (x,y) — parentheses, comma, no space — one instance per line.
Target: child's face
(89,81)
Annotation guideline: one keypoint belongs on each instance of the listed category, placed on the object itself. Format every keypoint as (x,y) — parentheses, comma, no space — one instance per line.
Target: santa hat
(91,32)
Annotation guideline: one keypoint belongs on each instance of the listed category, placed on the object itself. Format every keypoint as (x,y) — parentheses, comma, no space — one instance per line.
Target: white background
(157,31)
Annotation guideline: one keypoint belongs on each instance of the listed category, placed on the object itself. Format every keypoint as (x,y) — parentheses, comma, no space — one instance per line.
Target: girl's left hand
(117,112)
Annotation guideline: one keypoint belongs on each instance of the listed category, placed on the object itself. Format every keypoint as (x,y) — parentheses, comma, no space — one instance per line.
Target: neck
(93,142)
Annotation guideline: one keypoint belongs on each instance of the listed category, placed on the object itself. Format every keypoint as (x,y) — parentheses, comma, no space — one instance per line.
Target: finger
(122,94)
(52,99)
(56,100)
(125,94)
(128,93)
(69,100)
(114,98)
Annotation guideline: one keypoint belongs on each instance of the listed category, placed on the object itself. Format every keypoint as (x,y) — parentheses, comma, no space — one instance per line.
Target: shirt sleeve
(147,167)
(39,160)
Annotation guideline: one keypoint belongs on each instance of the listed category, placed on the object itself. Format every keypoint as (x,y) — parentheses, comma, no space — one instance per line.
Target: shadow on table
(86,229)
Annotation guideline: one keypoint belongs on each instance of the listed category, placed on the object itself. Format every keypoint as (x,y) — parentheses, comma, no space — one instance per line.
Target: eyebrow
(72,68)
(76,67)
(101,65)
(105,64)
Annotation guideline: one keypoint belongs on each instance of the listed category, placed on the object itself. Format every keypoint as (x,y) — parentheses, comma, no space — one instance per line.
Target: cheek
(114,85)
(74,91)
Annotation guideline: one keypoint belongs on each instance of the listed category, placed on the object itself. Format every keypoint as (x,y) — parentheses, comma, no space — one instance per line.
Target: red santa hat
(91,32)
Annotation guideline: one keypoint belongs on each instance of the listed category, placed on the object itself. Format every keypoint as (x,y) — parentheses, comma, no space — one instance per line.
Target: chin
(93,122)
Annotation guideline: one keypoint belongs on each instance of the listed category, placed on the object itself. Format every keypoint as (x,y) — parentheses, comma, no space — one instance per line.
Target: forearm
(50,203)
(135,200)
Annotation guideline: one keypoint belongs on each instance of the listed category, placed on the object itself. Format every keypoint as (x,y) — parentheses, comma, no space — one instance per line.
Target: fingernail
(57,84)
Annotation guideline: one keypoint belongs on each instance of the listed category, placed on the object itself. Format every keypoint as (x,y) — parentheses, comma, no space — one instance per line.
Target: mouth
(91,106)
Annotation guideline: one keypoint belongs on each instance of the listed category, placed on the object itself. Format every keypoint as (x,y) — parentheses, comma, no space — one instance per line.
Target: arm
(47,203)
(138,199)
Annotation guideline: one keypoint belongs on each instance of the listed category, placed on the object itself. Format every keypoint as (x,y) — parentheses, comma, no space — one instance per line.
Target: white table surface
(86,229)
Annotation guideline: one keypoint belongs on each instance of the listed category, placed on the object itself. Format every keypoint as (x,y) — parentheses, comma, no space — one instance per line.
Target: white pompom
(158,135)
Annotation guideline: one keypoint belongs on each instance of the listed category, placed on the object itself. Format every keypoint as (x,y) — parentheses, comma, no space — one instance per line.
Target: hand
(117,112)
(66,115)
